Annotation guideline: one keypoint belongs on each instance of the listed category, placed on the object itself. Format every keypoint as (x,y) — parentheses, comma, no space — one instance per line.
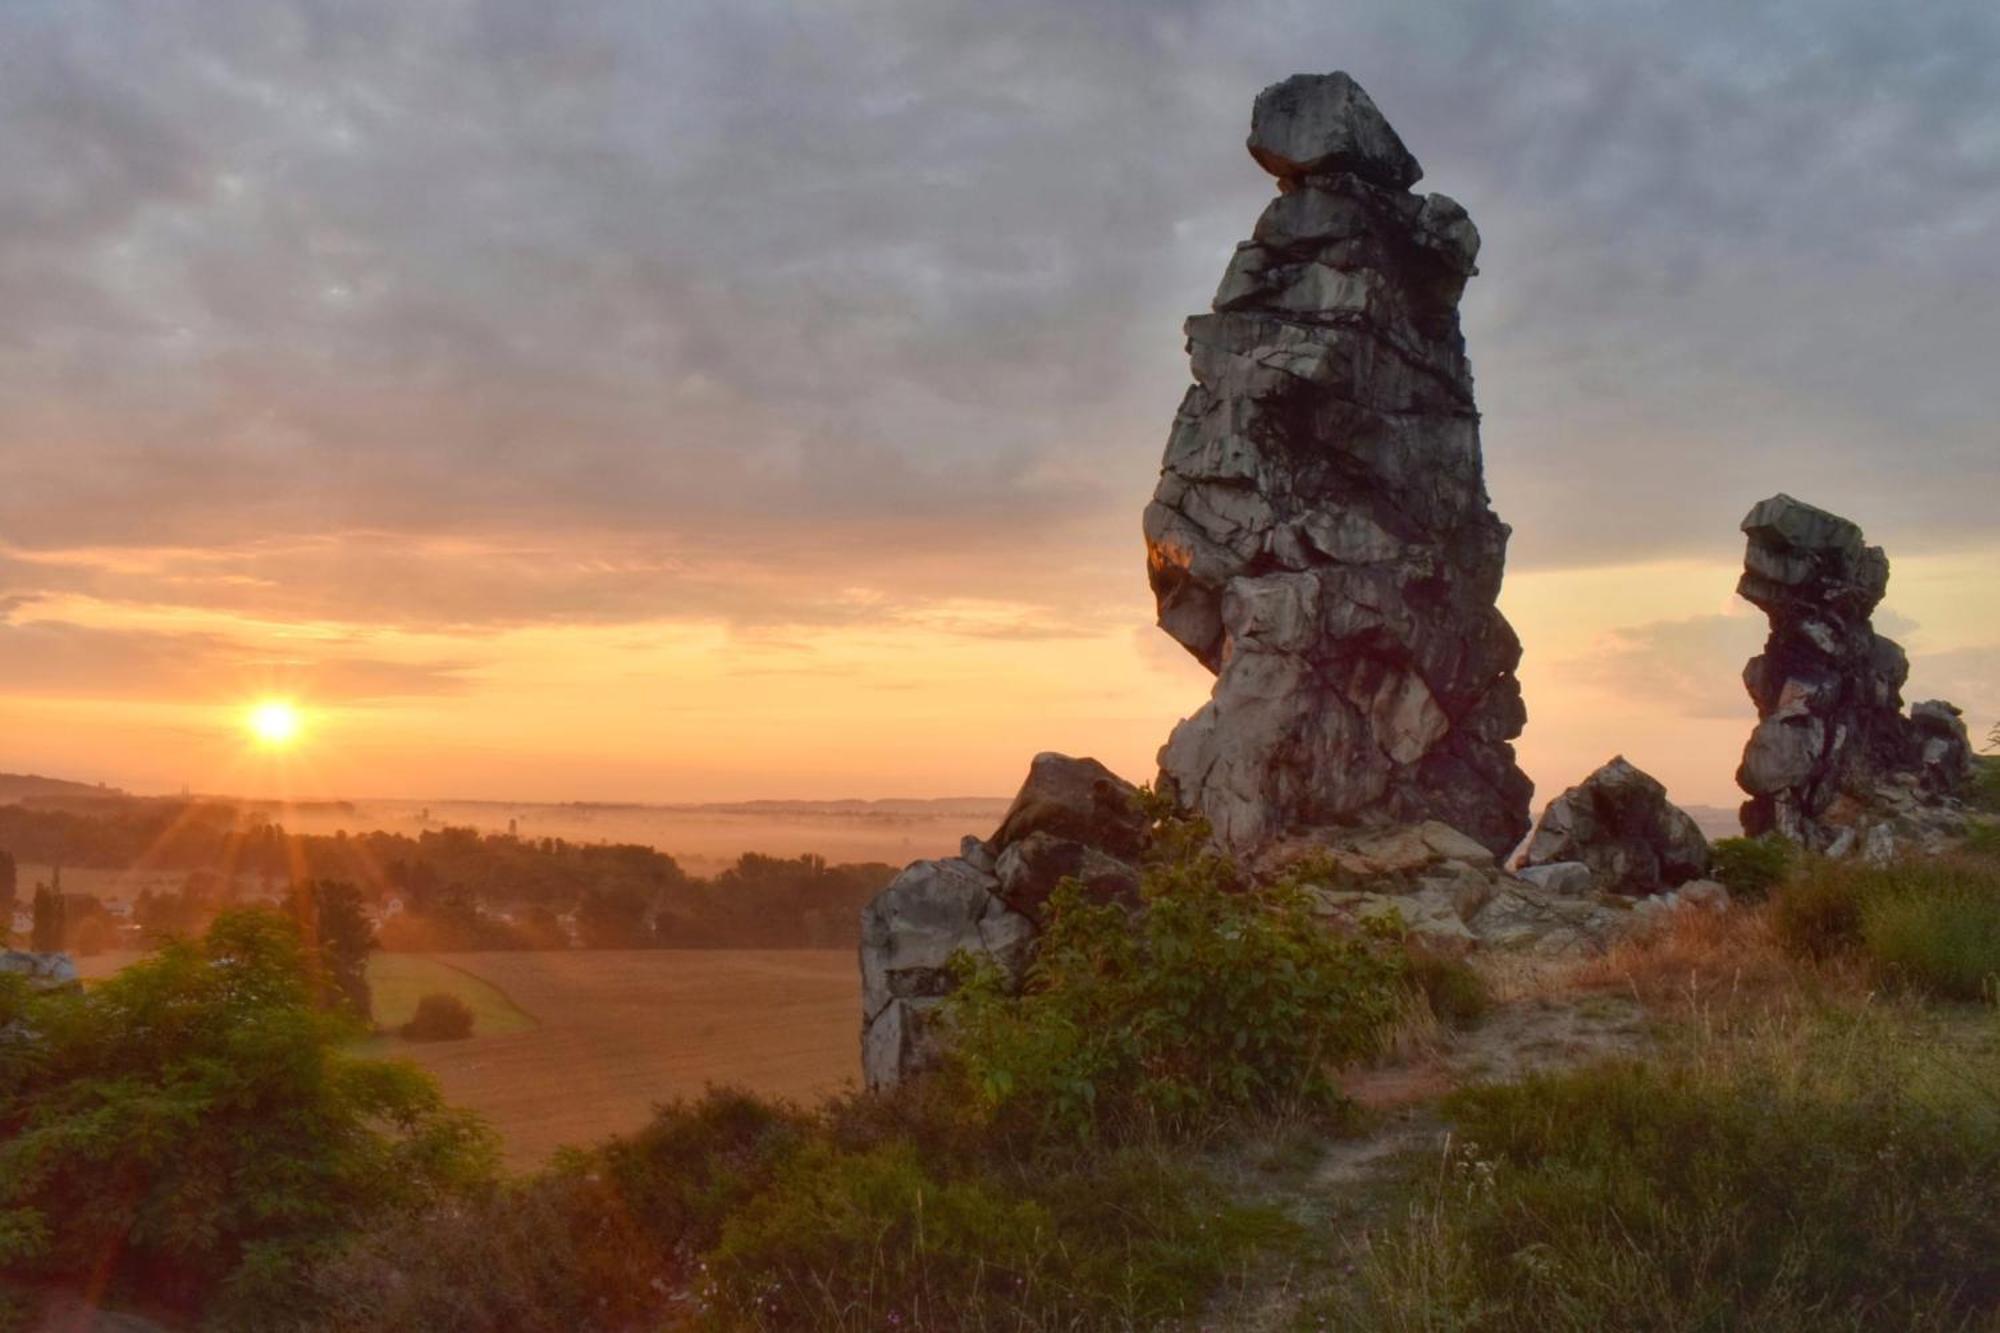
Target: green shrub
(886,1238)
(697,1162)
(1751,867)
(1210,1000)
(1945,941)
(1931,924)
(439,1017)
(1456,994)
(1985,790)
(558,1252)
(1838,1186)
(189,1128)
(875,1212)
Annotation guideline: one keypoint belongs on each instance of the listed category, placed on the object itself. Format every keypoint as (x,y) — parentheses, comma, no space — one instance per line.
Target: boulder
(1522,917)
(1944,750)
(1325,124)
(1708,893)
(909,934)
(1619,824)
(1571,879)
(1079,800)
(1030,869)
(1072,817)
(1320,535)
(1833,763)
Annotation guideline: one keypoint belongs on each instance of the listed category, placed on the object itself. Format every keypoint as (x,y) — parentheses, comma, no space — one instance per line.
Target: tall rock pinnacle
(1320,537)
(1834,764)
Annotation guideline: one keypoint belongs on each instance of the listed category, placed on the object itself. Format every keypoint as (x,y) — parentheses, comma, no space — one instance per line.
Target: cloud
(59,659)
(1968,677)
(1687,668)
(505,311)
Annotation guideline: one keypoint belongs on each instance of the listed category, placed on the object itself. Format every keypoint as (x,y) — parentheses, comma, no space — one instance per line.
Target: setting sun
(273,722)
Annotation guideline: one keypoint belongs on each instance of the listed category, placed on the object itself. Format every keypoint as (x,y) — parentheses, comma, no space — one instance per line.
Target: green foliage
(1840,1183)
(1930,924)
(1985,790)
(1751,867)
(873,1212)
(1456,994)
(1212,999)
(332,919)
(1945,941)
(559,1252)
(189,1127)
(51,928)
(883,1237)
(439,1017)
(458,885)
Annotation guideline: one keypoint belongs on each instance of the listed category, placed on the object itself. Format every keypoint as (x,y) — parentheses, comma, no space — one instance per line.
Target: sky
(682,401)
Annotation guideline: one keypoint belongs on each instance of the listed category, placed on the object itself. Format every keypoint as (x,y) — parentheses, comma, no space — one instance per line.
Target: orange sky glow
(949,699)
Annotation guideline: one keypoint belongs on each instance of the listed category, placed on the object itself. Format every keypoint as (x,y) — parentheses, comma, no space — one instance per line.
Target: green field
(399,980)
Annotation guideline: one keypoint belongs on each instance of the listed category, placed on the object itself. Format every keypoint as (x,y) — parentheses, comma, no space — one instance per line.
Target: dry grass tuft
(1697,961)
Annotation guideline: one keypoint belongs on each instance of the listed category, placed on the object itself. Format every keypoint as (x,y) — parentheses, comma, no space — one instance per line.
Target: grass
(1930,925)
(1835,1169)
(399,980)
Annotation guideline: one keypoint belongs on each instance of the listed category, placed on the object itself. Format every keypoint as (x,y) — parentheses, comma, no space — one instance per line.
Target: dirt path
(1341,1190)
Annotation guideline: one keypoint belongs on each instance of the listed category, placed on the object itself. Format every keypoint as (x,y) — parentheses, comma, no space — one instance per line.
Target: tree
(339,939)
(50,926)
(10,883)
(615,918)
(192,1129)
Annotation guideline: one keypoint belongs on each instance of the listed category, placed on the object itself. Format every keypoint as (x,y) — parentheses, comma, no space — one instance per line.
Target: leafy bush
(558,1252)
(875,1212)
(1838,1184)
(1456,994)
(439,1017)
(1751,867)
(1930,924)
(1210,1000)
(189,1127)
(1985,791)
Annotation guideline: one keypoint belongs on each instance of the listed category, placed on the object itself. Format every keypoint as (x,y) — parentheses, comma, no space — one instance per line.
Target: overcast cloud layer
(475,314)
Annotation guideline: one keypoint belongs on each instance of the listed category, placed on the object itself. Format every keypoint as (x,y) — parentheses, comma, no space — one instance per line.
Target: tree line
(440,889)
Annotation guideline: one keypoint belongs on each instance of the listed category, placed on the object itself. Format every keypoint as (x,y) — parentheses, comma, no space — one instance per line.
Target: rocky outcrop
(1073,817)
(1833,763)
(1320,536)
(1619,825)
(1448,893)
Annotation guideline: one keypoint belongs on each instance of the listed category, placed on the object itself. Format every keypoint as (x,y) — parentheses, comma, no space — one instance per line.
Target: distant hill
(16,787)
(1716,821)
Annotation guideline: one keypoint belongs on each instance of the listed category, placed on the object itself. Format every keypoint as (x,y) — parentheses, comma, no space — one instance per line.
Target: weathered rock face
(1073,817)
(1449,892)
(1320,536)
(1619,824)
(1833,756)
